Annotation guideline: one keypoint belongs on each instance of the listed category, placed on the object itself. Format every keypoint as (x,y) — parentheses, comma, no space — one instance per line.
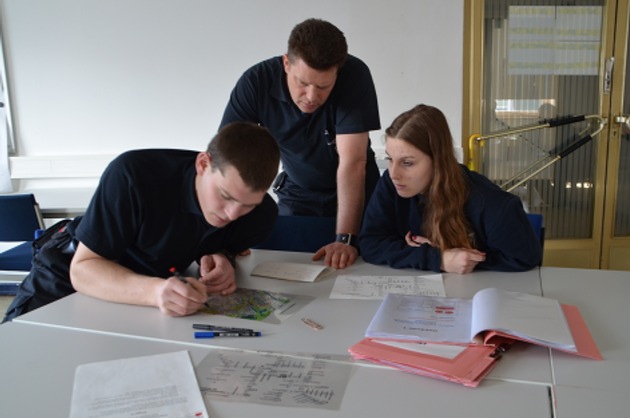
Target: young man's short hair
(250,149)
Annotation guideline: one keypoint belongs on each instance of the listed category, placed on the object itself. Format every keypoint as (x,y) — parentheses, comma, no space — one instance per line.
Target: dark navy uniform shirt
(500,226)
(307,141)
(145,215)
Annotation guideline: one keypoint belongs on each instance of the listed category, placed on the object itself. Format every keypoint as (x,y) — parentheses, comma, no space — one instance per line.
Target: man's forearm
(350,197)
(105,279)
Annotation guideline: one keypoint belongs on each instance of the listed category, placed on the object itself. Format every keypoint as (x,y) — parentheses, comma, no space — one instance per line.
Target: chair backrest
(19,217)
(17,258)
(300,233)
(536,220)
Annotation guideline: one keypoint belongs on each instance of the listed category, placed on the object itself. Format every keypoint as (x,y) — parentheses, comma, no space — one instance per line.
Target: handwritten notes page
(301,272)
(162,385)
(376,287)
(306,381)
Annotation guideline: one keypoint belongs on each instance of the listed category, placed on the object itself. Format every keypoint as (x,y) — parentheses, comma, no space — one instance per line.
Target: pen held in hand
(177,274)
(182,279)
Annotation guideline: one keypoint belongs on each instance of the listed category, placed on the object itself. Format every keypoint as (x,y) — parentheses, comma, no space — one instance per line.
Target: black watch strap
(348,239)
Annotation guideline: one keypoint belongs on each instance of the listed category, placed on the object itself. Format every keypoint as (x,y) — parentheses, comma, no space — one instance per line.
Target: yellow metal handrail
(478,140)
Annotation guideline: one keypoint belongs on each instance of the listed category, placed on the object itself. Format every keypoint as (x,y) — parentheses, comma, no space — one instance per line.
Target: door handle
(624,121)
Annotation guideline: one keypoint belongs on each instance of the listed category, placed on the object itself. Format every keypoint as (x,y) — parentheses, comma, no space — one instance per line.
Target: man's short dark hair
(320,44)
(250,149)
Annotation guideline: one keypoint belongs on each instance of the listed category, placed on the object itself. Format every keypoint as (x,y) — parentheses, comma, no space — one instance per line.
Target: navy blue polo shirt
(307,140)
(145,215)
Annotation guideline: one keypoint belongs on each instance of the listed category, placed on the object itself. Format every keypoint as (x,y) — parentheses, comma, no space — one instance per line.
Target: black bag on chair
(49,279)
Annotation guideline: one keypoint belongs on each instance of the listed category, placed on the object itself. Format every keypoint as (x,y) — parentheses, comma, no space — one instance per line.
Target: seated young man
(155,212)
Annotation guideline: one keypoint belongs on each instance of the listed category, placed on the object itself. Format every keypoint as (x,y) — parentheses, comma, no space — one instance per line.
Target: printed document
(376,287)
(452,320)
(162,385)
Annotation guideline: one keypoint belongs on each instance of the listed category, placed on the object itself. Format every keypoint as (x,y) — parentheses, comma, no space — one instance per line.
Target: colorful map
(247,304)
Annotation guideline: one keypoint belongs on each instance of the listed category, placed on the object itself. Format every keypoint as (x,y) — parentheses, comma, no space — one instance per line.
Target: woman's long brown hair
(425,127)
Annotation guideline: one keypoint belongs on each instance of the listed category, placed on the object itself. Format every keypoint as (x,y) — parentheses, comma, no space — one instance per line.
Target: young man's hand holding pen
(182,295)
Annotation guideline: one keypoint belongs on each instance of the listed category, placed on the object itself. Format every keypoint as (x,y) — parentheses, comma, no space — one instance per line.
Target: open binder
(482,327)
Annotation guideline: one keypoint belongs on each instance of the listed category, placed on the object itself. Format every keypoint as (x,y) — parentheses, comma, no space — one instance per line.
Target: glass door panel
(622,211)
(541,63)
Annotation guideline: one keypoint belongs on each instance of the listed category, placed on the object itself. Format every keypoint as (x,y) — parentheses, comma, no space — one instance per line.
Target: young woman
(430,213)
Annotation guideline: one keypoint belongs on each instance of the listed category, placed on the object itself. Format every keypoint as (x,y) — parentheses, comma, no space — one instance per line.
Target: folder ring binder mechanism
(498,352)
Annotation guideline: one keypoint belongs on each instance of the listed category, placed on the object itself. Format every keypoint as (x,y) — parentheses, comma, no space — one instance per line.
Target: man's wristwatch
(348,239)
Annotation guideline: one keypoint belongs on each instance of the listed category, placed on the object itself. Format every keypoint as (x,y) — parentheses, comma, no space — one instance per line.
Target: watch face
(347,239)
(343,238)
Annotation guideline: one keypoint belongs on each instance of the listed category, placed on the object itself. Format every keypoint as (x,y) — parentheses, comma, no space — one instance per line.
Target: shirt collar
(189,194)
(279,89)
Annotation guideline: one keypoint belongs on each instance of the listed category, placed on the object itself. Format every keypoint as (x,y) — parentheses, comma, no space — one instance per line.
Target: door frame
(615,253)
(580,253)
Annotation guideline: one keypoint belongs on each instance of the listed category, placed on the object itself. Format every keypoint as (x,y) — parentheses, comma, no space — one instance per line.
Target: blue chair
(536,220)
(17,258)
(20,218)
(539,228)
(300,233)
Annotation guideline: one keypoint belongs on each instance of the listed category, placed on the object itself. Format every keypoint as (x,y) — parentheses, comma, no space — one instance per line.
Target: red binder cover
(584,342)
(467,368)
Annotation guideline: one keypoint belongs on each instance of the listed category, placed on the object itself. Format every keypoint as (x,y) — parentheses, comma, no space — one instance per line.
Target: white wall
(97,77)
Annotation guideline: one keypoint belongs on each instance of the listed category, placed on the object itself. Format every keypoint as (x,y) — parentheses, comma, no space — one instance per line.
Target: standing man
(319,103)
(154,213)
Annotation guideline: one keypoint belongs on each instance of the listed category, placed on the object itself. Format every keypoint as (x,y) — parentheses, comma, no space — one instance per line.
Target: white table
(584,387)
(39,362)
(43,347)
(345,321)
